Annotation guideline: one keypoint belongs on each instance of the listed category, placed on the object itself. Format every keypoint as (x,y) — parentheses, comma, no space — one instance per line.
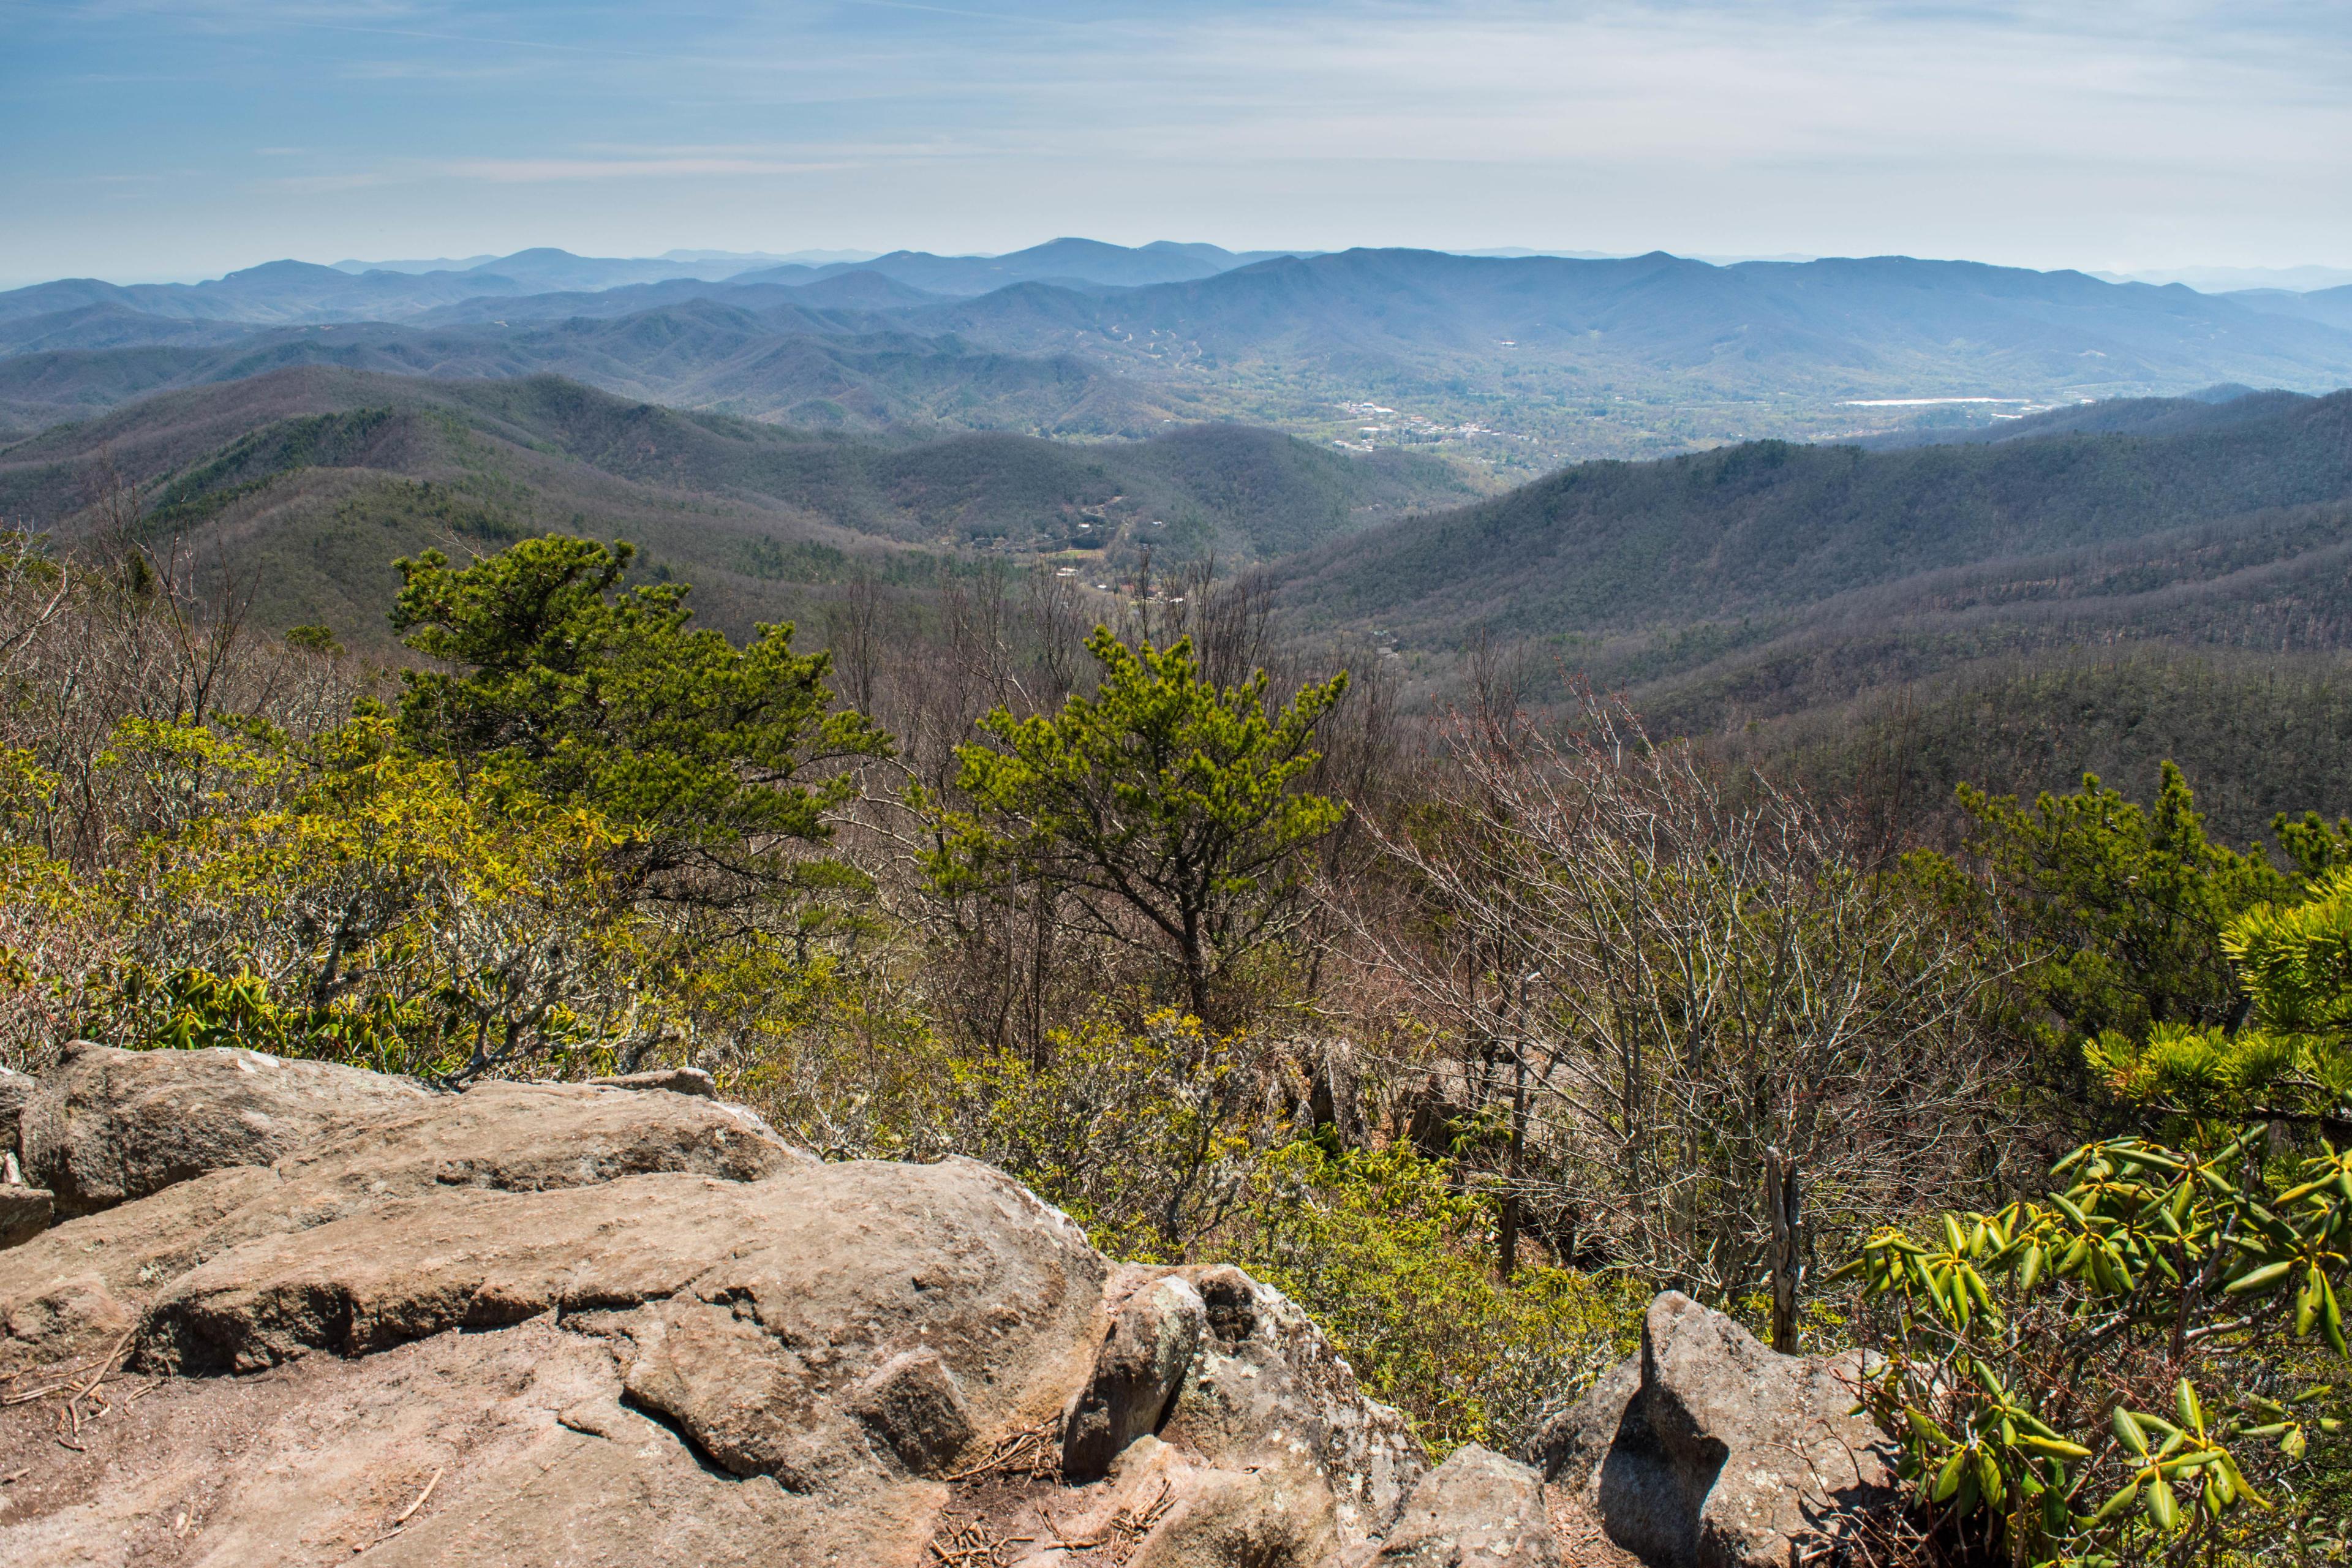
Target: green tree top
(1161,796)
(579,689)
(2286,1054)
(2125,907)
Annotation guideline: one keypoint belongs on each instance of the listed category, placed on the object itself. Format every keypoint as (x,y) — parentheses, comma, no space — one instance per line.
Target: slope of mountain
(856,287)
(1766,579)
(707,263)
(1879,627)
(1843,326)
(544,268)
(2332,307)
(436,264)
(801,366)
(290,292)
(1064,261)
(1764,528)
(312,478)
(275,292)
(297,292)
(108,324)
(2211,408)
(2257,732)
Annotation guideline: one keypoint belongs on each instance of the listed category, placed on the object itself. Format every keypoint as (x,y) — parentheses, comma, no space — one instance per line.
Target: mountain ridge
(1510,364)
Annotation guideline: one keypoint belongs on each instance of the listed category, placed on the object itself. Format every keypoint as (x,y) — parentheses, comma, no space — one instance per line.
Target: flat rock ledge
(269,1311)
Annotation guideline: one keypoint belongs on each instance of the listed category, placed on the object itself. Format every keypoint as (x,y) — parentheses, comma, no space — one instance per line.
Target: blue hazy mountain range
(1518,362)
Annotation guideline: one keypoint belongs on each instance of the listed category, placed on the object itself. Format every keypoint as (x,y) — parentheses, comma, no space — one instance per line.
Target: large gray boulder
(108,1125)
(540,1323)
(1478,1509)
(1709,1450)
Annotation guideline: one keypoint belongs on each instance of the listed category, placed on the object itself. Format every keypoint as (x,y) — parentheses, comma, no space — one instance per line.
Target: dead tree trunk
(1782,1205)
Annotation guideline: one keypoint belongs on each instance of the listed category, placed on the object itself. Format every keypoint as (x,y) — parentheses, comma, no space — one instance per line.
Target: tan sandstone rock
(108,1125)
(1709,1450)
(1478,1509)
(69,1289)
(543,1324)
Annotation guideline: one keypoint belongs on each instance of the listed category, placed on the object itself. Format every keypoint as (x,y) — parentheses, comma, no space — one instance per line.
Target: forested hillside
(1756,531)
(1884,623)
(801,366)
(309,481)
(1895,622)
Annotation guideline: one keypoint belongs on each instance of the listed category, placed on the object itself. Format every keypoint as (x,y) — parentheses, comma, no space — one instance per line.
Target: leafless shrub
(1653,993)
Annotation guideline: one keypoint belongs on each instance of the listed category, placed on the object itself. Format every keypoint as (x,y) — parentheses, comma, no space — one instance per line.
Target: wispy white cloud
(526,171)
(2141,131)
(543,171)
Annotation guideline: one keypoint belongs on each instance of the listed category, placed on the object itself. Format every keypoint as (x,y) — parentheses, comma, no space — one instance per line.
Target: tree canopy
(569,685)
(1161,797)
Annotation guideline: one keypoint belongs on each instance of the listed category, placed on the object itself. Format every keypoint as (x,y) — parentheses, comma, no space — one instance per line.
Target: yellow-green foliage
(1145,1135)
(386,913)
(1169,810)
(359,901)
(2093,1378)
(1393,1260)
(2294,964)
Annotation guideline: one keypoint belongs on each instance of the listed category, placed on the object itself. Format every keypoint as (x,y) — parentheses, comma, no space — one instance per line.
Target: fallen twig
(1125,1532)
(106,1362)
(64,1375)
(975,1545)
(402,1518)
(1032,1449)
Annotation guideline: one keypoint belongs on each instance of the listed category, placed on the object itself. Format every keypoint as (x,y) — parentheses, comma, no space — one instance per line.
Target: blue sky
(148,140)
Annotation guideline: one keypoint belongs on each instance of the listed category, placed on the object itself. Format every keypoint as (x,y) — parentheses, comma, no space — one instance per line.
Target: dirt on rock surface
(543,1324)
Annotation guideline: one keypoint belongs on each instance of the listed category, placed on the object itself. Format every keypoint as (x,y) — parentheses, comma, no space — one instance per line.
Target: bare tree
(853,631)
(1662,1001)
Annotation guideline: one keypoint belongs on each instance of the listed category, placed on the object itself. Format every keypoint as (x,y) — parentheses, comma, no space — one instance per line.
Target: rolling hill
(1083,262)
(1775,334)
(2331,306)
(1755,542)
(2174,580)
(310,480)
(2102,585)
(789,363)
(284,292)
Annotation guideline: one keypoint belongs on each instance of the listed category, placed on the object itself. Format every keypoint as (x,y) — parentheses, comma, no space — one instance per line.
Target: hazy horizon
(2205,278)
(156,141)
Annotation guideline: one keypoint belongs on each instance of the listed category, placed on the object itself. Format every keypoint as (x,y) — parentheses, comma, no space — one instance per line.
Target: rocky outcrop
(532,1323)
(1709,1450)
(678,1080)
(25,1209)
(109,1125)
(25,1212)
